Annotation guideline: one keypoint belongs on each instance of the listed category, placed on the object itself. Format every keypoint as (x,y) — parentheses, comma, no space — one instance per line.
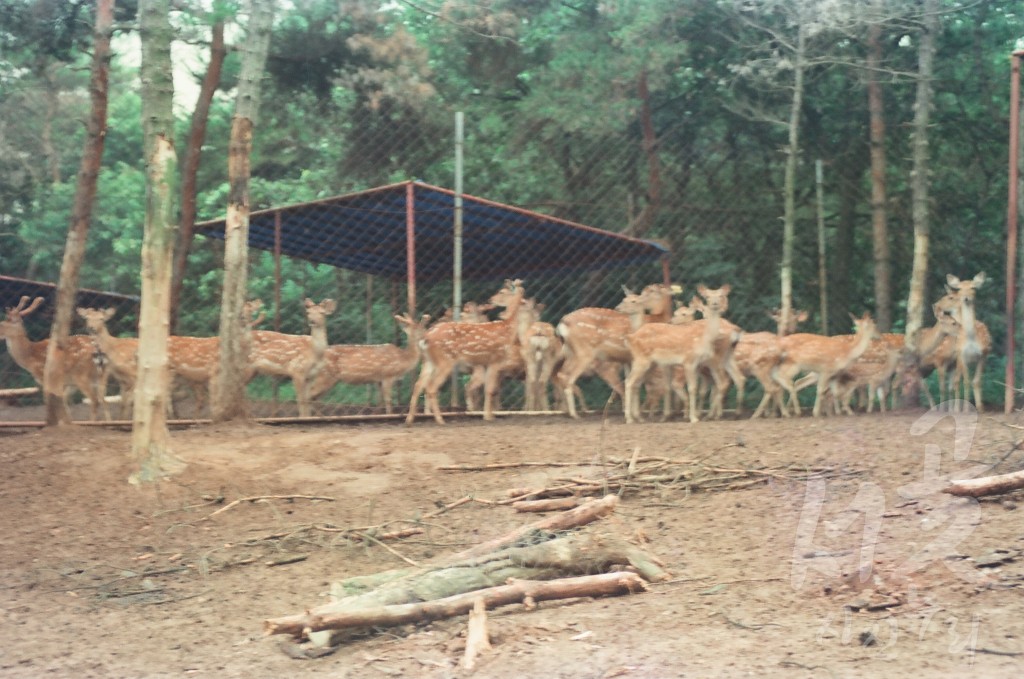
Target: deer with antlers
(299,357)
(595,340)
(378,364)
(82,367)
(487,344)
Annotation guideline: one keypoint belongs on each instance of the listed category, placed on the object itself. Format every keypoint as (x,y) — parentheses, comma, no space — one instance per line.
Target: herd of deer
(666,351)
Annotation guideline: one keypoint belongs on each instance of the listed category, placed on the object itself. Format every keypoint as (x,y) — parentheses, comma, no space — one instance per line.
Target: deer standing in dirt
(196,359)
(595,339)
(973,343)
(824,356)
(934,350)
(81,369)
(299,357)
(121,353)
(691,347)
(487,345)
(378,364)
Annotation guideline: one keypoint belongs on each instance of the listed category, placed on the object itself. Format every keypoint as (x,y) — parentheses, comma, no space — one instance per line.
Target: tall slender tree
(190,166)
(879,215)
(85,198)
(150,437)
(229,393)
(920,174)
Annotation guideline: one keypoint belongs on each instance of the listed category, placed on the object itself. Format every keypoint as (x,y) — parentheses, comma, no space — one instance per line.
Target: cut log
(987,485)
(551,505)
(477,638)
(605,584)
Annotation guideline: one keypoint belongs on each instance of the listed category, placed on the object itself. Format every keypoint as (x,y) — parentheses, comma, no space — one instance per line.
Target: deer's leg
(385,394)
(492,380)
(573,367)
(417,389)
(979,371)
(473,387)
(440,373)
(631,391)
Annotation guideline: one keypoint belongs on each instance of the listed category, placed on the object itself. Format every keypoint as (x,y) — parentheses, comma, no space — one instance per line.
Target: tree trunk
(190,165)
(879,223)
(639,225)
(229,391)
(789,188)
(919,176)
(85,198)
(150,438)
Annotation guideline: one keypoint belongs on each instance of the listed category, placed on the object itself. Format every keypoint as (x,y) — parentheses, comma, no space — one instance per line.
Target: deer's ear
(329,306)
(979,280)
(952,282)
(726,288)
(81,311)
(108,313)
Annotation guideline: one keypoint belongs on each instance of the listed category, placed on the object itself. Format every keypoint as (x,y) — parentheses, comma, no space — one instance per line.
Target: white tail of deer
(82,368)
(595,339)
(475,344)
(299,357)
(379,364)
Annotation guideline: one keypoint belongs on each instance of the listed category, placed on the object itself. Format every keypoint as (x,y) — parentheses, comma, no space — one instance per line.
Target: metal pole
(457,245)
(457,252)
(277,271)
(819,180)
(1011,234)
(410,246)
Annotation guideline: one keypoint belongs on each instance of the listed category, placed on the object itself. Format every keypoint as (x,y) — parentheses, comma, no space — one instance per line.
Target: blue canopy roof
(366,232)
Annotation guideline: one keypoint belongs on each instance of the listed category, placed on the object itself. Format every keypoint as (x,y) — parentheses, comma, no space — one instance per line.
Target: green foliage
(361,94)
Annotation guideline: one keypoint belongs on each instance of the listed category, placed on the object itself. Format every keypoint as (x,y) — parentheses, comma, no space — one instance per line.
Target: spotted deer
(691,347)
(121,352)
(487,344)
(299,357)
(81,370)
(196,359)
(378,364)
(934,350)
(595,340)
(973,343)
(824,356)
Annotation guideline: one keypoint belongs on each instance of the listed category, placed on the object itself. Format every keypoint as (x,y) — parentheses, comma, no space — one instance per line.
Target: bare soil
(872,572)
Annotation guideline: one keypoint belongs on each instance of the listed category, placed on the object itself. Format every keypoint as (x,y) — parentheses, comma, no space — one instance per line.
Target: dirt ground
(868,569)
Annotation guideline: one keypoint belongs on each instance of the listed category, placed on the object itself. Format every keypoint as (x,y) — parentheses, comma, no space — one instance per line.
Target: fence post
(1011,234)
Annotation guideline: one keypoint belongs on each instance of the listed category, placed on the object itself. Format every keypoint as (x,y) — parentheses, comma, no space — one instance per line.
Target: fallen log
(519,591)
(550,505)
(986,485)
(477,638)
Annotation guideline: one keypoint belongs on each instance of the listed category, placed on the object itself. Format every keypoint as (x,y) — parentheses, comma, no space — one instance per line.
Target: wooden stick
(254,498)
(477,638)
(582,515)
(986,485)
(605,584)
(370,538)
(551,505)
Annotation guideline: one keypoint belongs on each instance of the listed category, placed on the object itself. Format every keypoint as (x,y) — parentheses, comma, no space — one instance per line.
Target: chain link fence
(711,197)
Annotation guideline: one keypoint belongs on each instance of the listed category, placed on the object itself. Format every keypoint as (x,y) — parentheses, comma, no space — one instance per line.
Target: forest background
(663,119)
